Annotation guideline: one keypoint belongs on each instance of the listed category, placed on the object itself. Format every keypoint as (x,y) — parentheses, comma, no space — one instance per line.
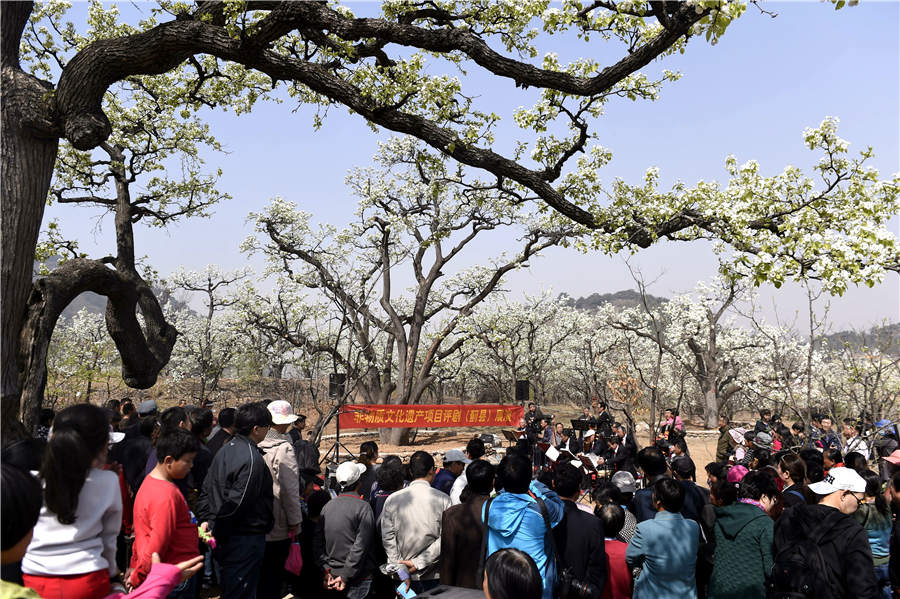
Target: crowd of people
(125,499)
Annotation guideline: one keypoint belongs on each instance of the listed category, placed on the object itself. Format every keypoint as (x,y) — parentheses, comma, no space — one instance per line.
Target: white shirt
(858,445)
(89,544)
(456,490)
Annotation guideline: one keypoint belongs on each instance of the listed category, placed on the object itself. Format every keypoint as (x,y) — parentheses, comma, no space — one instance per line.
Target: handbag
(294,561)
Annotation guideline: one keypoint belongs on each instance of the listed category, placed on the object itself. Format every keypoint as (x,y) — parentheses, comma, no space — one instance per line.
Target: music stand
(513,436)
(591,469)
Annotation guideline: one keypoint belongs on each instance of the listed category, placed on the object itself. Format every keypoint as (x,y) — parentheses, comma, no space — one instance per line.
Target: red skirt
(93,585)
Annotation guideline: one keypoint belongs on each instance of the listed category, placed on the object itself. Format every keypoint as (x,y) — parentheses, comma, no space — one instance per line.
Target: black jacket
(218,440)
(461,536)
(132,453)
(579,539)
(622,459)
(844,547)
(237,496)
(894,564)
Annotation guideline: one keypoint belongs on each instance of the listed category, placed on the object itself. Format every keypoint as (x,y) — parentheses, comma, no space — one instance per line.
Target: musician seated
(588,443)
(567,442)
(619,457)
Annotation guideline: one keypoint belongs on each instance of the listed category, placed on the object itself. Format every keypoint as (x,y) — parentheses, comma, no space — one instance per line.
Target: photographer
(579,537)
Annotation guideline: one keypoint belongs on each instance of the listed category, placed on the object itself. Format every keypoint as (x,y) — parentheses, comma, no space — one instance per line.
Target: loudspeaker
(523,391)
(336,382)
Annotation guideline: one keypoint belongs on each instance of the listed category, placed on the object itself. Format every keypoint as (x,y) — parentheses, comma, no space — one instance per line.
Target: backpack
(799,570)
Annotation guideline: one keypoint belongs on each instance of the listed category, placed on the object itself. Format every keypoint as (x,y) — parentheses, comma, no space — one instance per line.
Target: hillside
(626,298)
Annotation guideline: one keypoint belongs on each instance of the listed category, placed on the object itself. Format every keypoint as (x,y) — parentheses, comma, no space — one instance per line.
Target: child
(21,499)
(618,582)
(73,552)
(162,521)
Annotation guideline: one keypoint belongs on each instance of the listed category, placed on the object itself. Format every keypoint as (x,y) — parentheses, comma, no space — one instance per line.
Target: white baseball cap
(349,472)
(839,479)
(455,455)
(282,412)
(590,433)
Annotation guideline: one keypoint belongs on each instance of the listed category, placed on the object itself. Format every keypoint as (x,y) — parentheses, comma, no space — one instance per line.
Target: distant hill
(886,337)
(627,298)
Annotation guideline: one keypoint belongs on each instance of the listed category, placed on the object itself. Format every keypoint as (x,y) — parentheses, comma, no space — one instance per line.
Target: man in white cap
(279,456)
(455,462)
(843,566)
(345,536)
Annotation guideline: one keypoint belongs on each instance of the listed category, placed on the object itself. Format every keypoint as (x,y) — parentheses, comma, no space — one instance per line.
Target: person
(45,423)
(829,438)
(511,574)
(474,451)
(411,524)
(620,458)
(514,517)
(531,416)
(743,533)
(798,433)
(723,445)
(551,435)
(763,425)
(626,440)
(844,565)
(604,420)
(162,520)
(455,463)
(667,567)
(225,432)
(73,549)
(567,442)
(368,455)
(894,563)
(652,463)
(171,419)
(134,450)
(672,427)
(21,500)
(618,580)
(832,458)
(856,461)
(874,515)
(695,497)
(792,471)
(278,454)
(307,452)
(389,478)
(345,535)
(129,414)
(237,503)
(461,529)
(309,584)
(579,537)
(853,441)
(201,421)
(585,416)
(619,491)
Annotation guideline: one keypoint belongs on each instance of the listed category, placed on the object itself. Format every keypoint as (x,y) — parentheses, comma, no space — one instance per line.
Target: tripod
(335,450)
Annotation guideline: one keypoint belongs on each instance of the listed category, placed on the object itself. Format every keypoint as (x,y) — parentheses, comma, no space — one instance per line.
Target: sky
(752,95)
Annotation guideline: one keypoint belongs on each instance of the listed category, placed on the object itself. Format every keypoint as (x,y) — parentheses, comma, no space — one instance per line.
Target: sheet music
(552,453)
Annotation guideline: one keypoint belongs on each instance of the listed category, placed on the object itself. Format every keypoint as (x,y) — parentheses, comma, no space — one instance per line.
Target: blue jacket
(515,520)
(666,549)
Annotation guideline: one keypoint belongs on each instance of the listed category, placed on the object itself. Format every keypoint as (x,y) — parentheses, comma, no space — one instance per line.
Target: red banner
(429,416)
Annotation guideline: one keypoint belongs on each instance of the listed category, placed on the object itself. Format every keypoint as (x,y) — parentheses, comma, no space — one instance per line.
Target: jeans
(883,580)
(240,558)
(189,589)
(271,576)
(360,590)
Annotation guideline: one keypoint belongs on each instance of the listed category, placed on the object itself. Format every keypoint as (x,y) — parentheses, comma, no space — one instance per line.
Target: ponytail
(79,434)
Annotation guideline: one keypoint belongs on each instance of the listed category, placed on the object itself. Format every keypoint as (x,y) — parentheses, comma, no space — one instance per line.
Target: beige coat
(279,456)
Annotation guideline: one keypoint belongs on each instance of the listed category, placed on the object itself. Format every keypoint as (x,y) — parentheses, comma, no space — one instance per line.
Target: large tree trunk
(28,155)
(710,404)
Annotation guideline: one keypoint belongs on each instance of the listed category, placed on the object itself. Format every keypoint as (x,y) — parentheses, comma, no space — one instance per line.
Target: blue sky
(751,95)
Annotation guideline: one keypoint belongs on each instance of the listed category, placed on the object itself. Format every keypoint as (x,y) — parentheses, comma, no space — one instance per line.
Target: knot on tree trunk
(87,130)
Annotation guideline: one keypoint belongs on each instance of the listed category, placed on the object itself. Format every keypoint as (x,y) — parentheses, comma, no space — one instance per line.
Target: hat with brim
(349,473)
(737,434)
(839,479)
(763,440)
(455,455)
(590,433)
(624,482)
(282,412)
(147,407)
(894,458)
(115,437)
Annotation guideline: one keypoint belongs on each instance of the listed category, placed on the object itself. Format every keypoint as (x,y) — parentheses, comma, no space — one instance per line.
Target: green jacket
(723,448)
(743,552)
